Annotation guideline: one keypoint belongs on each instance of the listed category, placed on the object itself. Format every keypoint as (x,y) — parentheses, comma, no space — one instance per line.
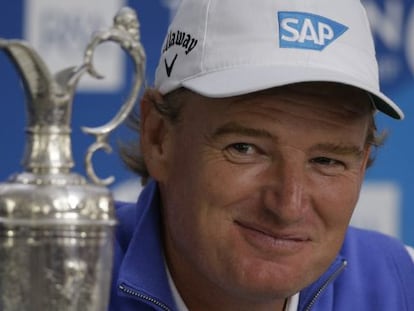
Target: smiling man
(254,144)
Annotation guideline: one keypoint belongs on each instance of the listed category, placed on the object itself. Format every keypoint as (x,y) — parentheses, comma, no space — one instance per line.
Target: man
(254,143)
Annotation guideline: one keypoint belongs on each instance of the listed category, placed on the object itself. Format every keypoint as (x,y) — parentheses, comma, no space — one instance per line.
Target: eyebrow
(237,128)
(339,149)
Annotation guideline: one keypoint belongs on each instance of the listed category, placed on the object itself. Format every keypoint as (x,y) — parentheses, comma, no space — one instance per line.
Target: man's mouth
(283,242)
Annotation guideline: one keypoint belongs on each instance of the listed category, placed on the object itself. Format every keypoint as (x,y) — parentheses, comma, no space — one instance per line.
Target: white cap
(221,48)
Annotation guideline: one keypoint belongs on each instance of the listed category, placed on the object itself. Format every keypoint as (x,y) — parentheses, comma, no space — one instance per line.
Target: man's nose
(285,196)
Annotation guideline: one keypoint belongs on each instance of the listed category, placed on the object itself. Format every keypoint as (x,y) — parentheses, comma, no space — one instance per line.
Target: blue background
(394,162)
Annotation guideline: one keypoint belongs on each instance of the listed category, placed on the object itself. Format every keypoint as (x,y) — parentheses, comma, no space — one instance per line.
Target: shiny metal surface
(56,227)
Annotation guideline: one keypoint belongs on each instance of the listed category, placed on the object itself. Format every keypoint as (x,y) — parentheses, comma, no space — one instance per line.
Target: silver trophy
(56,228)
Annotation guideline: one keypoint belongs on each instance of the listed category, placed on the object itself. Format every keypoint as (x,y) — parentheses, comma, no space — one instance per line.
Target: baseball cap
(222,48)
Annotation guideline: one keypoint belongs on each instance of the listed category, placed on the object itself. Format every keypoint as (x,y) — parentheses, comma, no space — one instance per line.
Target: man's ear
(154,135)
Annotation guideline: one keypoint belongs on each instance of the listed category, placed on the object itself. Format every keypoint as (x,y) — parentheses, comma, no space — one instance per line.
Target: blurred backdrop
(60,29)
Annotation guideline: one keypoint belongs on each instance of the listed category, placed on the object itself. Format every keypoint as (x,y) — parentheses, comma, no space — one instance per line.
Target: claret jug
(56,226)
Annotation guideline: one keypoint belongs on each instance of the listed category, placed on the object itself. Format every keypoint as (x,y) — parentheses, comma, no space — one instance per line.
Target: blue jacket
(371,272)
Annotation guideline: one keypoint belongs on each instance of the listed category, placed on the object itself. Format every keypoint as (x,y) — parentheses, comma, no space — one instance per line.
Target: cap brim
(249,79)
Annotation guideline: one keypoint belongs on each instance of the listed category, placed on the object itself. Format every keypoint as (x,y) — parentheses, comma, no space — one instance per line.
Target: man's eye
(242,148)
(244,153)
(326,161)
(329,166)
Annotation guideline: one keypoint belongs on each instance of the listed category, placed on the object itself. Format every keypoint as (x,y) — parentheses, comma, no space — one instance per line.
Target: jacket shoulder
(371,243)
(128,215)
(380,272)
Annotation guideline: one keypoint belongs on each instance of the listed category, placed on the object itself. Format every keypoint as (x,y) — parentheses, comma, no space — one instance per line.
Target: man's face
(258,190)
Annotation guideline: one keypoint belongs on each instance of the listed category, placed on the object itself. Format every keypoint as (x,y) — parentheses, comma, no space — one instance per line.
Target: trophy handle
(125,32)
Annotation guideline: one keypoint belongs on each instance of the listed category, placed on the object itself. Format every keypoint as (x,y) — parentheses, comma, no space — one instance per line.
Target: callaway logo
(169,67)
(307,31)
(181,39)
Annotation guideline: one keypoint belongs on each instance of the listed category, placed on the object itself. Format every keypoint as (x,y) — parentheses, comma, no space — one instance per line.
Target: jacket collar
(143,267)
(309,295)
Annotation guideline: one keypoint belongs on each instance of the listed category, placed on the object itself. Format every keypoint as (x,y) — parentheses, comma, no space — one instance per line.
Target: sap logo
(307,31)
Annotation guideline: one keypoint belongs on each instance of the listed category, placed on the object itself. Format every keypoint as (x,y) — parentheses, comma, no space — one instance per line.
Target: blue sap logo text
(307,31)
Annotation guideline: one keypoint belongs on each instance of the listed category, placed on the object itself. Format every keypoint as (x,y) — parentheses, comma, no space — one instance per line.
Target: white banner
(60,31)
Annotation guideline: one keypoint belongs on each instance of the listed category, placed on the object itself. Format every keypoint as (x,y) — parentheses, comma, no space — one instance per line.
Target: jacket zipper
(325,285)
(131,292)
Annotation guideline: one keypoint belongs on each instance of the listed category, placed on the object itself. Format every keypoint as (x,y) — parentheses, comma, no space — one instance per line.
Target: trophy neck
(48,150)
(48,136)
